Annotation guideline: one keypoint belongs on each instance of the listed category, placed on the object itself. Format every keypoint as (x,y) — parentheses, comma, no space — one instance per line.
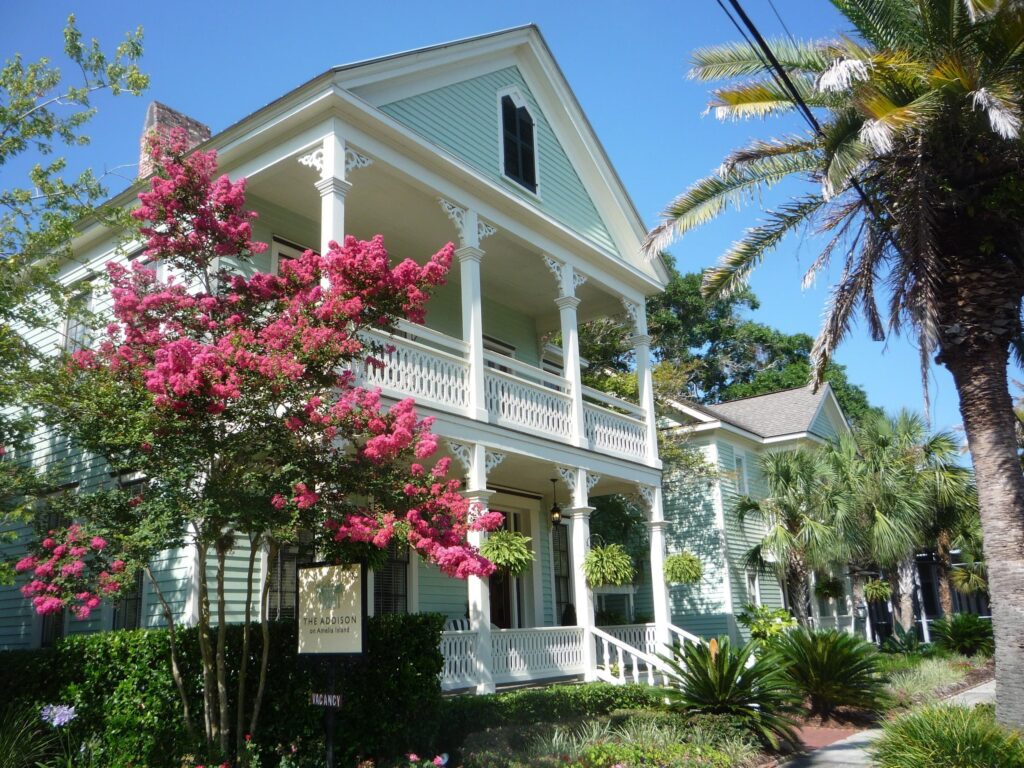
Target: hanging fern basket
(508,550)
(683,568)
(877,591)
(829,589)
(608,565)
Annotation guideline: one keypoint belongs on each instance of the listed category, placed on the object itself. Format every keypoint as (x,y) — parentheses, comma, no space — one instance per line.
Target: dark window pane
(391,582)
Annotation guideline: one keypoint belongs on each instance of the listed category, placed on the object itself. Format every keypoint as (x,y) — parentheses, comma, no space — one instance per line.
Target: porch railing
(620,663)
(460,663)
(433,368)
(535,654)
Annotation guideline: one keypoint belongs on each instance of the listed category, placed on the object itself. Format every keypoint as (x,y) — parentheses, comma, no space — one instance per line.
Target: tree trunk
(944,565)
(173,642)
(205,649)
(223,706)
(904,605)
(981,382)
(272,549)
(798,593)
(243,665)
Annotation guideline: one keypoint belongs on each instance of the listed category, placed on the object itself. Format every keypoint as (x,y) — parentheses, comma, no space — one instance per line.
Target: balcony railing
(433,368)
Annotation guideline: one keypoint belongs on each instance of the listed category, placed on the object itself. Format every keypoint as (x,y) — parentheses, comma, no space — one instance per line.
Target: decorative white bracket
(646,495)
(484,230)
(354,160)
(491,460)
(633,310)
(459,215)
(592,480)
(462,452)
(561,271)
(568,475)
(314,160)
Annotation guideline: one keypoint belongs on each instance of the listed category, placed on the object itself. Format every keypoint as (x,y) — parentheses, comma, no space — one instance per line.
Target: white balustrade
(537,407)
(643,637)
(459,651)
(615,433)
(619,662)
(413,368)
(537,653)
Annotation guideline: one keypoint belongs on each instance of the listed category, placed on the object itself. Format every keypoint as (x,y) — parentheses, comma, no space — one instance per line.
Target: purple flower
(58,715)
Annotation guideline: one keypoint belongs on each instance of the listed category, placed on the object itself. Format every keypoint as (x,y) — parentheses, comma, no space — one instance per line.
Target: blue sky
(627,63)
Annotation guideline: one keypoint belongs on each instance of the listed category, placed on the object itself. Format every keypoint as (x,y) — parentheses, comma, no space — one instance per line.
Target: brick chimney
(161,119)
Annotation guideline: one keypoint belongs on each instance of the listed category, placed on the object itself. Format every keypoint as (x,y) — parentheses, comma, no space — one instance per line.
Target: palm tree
(798,535)
(915,178)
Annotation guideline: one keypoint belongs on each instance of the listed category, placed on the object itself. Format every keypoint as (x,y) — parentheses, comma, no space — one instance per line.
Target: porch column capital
(581,513)
(567,302)
(332,185)
(469,253)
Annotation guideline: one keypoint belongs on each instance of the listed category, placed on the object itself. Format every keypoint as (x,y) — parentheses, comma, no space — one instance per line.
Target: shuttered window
(518,145)
(560,547)
(281,600)
(391,582)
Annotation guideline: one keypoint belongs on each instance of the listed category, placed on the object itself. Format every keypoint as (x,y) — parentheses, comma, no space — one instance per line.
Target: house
(480,142)
(732,437)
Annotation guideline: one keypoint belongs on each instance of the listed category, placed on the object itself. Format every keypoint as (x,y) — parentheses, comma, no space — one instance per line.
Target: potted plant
(829,589)
(683,568)
(509,550)
(608,565)
(877,590)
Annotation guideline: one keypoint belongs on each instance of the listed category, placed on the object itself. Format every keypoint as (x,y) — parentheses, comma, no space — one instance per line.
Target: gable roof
(790,412)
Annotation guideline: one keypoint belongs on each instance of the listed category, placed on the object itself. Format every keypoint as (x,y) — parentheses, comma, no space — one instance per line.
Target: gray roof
(779,413)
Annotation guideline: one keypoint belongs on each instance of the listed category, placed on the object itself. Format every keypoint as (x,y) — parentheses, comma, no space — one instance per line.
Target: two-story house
(480,142)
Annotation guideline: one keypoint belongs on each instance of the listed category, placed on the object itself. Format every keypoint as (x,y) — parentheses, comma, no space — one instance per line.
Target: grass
(925,680)
(948,736)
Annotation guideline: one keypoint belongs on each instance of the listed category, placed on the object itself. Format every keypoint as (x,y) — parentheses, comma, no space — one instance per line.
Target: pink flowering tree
(232,393)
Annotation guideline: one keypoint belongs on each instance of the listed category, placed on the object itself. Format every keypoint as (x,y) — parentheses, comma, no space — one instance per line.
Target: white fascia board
(793,437)
(507,440)
(725,426)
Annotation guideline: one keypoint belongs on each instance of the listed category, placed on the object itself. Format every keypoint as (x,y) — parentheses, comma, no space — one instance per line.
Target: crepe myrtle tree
(234,398)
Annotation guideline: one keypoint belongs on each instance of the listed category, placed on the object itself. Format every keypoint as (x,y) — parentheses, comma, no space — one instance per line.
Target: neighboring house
(483,143)
(701,512)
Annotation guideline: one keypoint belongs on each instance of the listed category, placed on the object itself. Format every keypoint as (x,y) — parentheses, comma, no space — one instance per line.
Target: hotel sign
(331,609)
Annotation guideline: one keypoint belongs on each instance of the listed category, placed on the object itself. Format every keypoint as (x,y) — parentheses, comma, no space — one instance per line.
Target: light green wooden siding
(823,426)
(741,537)
(17,622)
(173,572)
(236,565)
(440,593)
(690,510)
(463,119)
(546,588)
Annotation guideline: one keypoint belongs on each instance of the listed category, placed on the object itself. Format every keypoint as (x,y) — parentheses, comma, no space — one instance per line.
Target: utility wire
(779,17)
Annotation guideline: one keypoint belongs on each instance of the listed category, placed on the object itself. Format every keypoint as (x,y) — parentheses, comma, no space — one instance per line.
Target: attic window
(519,151)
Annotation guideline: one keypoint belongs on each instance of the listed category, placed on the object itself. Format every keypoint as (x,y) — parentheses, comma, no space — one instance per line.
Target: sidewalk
(852,752)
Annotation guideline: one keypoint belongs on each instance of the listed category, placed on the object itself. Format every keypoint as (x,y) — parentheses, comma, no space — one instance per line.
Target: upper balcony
(484,351)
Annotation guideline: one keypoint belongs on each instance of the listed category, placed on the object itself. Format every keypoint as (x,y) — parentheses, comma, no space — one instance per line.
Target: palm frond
(883,23)
(761,98)
(722,62)
(759,150)
(733,269)
(713,194)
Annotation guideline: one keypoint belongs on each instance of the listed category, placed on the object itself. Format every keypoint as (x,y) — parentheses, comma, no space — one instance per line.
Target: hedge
(128,708)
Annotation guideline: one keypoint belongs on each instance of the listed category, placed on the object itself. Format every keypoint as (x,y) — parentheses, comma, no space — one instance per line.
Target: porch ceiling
(386,201)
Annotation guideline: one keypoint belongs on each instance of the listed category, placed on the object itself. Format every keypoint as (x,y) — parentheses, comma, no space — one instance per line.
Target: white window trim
(742,477)
(280,246)
(756,597)
(516,95)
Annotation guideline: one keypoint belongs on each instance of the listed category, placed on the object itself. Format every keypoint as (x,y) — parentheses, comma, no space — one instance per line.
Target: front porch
(622,654)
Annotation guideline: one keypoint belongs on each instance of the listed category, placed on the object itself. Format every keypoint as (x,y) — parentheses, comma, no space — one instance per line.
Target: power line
(779,17)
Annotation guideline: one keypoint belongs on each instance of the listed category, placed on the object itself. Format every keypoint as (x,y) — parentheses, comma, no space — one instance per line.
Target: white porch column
(567,302)
(471,232)
(660,593)
(583,597)
(478,589)
(637,312)
(333,160)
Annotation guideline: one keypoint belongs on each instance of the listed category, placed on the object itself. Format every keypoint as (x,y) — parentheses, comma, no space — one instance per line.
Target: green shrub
(832,669)
(608,565)
(948,736)
(25,741)
(763,622)
(964,633)
(906,641)
(612,753)
(509,550)
(924,681)
(714,678)
(683,568)
(129,711)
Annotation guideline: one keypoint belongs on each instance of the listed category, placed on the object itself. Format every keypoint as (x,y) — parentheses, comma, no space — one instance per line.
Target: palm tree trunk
(944,564)
(905,604)
(979,372)
(798,594)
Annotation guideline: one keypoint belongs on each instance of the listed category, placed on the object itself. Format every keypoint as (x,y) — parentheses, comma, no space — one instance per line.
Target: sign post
(331,616)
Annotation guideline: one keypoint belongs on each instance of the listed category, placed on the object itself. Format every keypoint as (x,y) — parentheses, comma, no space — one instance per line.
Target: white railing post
(651,495)
(471,232)
(478,589)
(576,479)
(569,280)
(645,385)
